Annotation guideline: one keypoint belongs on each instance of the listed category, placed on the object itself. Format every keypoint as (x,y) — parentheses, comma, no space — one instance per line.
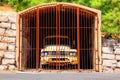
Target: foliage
(110,11)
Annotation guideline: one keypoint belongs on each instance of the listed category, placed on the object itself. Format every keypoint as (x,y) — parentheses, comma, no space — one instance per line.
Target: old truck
(62,55)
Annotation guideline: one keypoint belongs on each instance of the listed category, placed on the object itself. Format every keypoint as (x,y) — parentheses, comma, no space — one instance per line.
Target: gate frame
(97,43)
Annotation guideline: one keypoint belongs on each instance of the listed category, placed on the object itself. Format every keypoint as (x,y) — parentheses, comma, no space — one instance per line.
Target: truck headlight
(72,54)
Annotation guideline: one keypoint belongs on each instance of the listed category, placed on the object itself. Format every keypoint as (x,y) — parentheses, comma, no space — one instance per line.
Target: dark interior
(68,27)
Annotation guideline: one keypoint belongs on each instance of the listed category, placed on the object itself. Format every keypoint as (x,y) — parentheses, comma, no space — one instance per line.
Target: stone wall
(110,55)
(7,41)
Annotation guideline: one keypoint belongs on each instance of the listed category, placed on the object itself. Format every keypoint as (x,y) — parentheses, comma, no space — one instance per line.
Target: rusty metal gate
(58,36)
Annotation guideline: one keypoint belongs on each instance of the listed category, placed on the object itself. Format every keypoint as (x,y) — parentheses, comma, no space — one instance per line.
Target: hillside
(6,9)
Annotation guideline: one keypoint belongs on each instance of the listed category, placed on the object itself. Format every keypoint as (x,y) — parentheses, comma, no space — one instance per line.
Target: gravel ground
(59,76)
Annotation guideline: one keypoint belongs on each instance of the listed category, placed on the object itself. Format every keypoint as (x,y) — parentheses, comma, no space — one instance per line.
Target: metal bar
(78,37)
(18,39)
(37,37)
(58,33)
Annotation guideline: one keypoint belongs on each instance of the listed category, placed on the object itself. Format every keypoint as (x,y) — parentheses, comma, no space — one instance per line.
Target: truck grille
(57,59)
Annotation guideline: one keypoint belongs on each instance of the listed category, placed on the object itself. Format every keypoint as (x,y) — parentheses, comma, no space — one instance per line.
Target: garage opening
(58,37)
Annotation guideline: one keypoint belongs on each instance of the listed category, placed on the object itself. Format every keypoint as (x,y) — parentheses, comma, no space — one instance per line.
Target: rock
(2,31)
(5,25)
(10,55)
(117,70)
(117,57)
(11,47)
(11,67)
(109,63)
(0,60)
(3,46)
(7,39)
(117,50)
(1,53)
(118,64)
(8,61)
(11,33)
(13,26)
(108,70)
(3,67)
(12,18)
(108,56)
(106,50)
(3,19)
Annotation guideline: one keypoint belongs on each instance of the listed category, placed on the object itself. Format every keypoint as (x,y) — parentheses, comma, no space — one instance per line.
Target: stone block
(117,57)
(2,31)
(11,47)
(9,55)
(5,25)
(13,26)
(1,53)
(7,39)
(11,67)
(12,18)
(3,19)
(109,62)
(11,33)
(8,61)
(3,67)
(118,64)
(106,50)
(3,46)
(117,70)
(117,50)
(108,70)
(108,56)
(0,60)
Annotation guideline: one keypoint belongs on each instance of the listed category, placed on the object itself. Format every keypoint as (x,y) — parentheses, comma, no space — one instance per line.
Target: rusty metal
(58,33)
(78,37)
(59,36)
(37,38)
(18,40)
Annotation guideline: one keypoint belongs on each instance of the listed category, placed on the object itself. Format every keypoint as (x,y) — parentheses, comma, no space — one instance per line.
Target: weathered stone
(106,50)
(12,18)
(108,70)
(3,67)
(117,57)
(11,33)
(0,60)
(3,46)
(7,39)
(11,67)
(117,70)
(118,64)
(9,55)
(8,61)
(117,50)
(2,31)
(108,56)
(109,62)
(13,26)
(110,41)
(11,47)
(1,53)
(5,25)
(3,19)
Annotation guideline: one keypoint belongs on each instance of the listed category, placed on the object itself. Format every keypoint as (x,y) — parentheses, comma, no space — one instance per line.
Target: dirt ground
(6,9)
